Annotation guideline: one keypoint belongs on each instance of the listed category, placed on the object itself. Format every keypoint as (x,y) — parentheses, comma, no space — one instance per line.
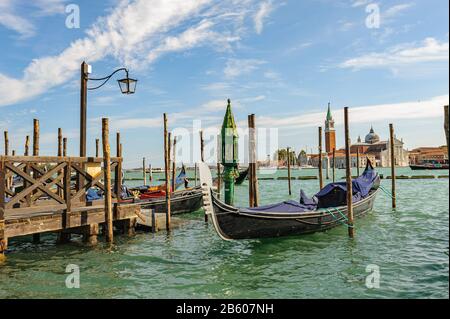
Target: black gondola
(181,202)
(326,210)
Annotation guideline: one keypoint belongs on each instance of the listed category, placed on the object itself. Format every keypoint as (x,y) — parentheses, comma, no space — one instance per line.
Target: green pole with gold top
(229,153)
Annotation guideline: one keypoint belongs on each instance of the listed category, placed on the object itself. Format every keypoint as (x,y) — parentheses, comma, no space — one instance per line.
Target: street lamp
(126,85)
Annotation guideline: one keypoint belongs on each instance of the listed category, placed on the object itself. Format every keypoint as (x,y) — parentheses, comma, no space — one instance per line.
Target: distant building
(373,149)
(330,132)
(424,155)
(380,150)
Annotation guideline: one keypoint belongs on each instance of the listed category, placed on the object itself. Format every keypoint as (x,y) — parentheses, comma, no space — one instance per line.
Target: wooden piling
(3,239)
(60,146)
(144,171)
(348,171)
(97,142)
(6,143)
(334,165)
(357,161)
(195,174)
(107,180)
(65,146)
(446,128)
(166,171)
(253,168)
(174,164)
(289,169)
(27,146)
(202,147)
(320,159)
(118,171)
(36,135)
(150,173)
(251,197)
(393,177)
(219,176)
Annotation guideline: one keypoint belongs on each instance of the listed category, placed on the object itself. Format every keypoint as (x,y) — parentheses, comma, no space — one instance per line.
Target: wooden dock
(52,198)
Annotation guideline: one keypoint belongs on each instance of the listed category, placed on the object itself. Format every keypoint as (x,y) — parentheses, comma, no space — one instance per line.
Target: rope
(386,192)
(339,219)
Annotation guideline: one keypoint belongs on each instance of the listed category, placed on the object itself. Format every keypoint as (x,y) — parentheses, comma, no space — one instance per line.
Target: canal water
(409,246)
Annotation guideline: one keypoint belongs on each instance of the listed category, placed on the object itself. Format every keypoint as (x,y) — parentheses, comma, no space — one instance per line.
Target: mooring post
(289,169)
(9,182)
(60,190)
(6,143)
(195,174)
(251,196)
(144,172)
(334,165)
(65,146)
(107,180)
(60,142)
(357,161)
(27,167)
(166,171)
(27,146)
(320,159)
(446,128)
(118,172)
(393,177)
(36,133)
(202,147)
(97,142)
(3,240)
(174,164)
(150,173)
(253,168)
(348,171)
(35,137)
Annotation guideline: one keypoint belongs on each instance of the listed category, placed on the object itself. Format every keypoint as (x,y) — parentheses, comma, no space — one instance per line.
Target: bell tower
(330,133)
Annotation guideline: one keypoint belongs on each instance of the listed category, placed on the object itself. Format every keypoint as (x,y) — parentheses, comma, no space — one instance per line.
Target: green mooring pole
(229,153)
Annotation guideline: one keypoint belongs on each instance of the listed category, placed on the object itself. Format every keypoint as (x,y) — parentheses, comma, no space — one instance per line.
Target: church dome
(372,137)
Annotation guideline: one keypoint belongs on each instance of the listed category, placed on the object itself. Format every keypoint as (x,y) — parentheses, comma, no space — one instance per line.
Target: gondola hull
(181,202)
(232,224)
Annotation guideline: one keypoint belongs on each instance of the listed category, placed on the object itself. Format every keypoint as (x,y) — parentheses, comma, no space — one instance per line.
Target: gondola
(429,166)
(181,202)
(326,210)
(242,176)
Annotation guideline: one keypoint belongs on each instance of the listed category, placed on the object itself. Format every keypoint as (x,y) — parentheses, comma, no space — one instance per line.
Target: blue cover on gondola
(332,195)
(180,178)
(92,194)
(335,194)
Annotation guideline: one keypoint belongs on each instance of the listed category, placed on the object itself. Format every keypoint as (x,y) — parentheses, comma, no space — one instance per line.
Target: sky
(388,61)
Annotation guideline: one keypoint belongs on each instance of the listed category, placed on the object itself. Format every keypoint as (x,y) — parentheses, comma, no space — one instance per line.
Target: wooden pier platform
(48,194)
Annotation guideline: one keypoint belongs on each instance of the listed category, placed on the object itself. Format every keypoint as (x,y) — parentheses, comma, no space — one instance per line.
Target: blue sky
(282,60)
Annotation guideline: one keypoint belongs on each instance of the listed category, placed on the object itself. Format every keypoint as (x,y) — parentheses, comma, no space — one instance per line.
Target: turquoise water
(409,245)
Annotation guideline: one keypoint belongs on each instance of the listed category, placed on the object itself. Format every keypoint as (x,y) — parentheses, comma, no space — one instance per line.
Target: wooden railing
(50,184)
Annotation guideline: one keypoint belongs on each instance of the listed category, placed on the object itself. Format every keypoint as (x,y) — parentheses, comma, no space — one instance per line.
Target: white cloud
(50,7)
(430,108)
(135,33)
(430,50)
(359,3)
(263,12)
(395,10)
(22,25)
(10,20)
(235,67)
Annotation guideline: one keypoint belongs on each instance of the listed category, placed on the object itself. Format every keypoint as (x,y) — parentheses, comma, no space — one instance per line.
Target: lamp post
(127,86)
(229,153)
